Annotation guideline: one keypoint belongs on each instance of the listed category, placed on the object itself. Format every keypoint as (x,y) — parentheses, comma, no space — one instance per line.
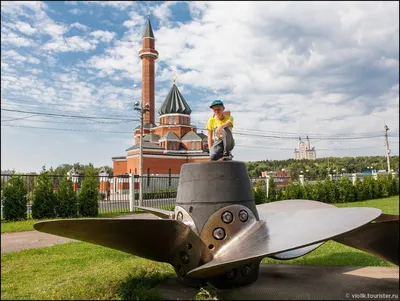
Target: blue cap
(217,103)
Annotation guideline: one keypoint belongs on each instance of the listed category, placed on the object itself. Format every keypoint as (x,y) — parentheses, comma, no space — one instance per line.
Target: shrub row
(342,191)
(63,203)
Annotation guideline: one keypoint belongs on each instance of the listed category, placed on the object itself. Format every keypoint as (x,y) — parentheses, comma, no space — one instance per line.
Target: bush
(294,191)
(14,199)
(102,196)
(271,190)
(67,205)
(260,195)
(331,191)
(88,204)
(44,199)
(346,191)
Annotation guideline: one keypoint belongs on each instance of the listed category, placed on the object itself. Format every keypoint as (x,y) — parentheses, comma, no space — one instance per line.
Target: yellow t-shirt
(214,122)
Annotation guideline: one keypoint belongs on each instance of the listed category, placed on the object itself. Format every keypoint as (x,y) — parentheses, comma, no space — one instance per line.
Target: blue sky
(284,69)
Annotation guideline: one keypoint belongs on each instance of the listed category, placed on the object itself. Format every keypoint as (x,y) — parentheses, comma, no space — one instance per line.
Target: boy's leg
(216,152)
(228,140)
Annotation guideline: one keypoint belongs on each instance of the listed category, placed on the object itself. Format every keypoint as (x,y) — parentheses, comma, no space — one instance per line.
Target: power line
(237,145)
(13,119)
(68,130)
(68,122)
(69,116)
(120,132)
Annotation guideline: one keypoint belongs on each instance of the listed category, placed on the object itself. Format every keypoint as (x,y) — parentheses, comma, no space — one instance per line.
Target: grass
(27,225)
(80,271)
(387,205)
(85,271)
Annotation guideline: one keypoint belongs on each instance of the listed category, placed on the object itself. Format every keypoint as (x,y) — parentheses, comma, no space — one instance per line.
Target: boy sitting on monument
(219,126)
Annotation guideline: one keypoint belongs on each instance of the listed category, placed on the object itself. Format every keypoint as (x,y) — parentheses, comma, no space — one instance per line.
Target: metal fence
(116,193)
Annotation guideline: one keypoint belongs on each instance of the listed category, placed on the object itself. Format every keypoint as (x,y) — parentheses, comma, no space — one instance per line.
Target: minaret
(148,54)
(308,143)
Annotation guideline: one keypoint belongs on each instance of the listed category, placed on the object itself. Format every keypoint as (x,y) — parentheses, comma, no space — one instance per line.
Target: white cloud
(71,44)
(25,28)
(13,39)
(121,5)
(79,26)
(163,12)
(76,11)
(104,36)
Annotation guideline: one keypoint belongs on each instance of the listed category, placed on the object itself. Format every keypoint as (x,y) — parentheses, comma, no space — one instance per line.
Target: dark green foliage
(88,197)
(343,190)
(44,199)
(280,195)
(14,197)
(271,190)
(318,169)
(260,195)
(294,191)
(67,205)
(346,191)
(331,193)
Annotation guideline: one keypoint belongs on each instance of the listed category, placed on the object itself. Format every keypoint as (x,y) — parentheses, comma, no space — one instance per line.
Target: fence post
(131,193)
(301,179)
(354,178)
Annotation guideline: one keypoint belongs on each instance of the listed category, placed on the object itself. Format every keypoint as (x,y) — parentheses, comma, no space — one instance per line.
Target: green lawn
(86,271)
(27,225)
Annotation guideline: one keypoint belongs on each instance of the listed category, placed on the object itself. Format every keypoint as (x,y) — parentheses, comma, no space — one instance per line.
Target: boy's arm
(226,124)
(209,139)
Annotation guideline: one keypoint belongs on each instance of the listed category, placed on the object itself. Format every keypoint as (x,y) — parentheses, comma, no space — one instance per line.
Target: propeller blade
(379,238)
(158,212)
(296,205)
(285,231)
(155,239)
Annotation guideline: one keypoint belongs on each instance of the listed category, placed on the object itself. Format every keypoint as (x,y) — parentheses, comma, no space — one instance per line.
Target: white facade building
(305,151)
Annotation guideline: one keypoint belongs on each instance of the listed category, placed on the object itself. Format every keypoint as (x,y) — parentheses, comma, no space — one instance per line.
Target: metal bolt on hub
(184,257)
(227,217)
(219,233)
(243,215)
(231,274)
(246,271)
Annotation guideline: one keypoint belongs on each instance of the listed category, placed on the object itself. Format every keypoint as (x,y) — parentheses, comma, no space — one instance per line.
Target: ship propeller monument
(217,233)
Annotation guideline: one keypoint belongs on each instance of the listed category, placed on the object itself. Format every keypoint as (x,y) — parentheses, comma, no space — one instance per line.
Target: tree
(67,205)
(88,197)
(346,191)
(15,199)
(330,190)
(44,200)
(271,189)
(260,195)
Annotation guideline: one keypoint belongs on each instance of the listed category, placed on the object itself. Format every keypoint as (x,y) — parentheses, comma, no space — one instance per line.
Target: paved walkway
(17,241)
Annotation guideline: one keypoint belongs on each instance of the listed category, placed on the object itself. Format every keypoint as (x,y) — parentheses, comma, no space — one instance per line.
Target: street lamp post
(138,107)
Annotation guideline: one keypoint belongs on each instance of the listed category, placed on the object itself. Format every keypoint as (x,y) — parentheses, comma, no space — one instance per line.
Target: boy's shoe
(227,156)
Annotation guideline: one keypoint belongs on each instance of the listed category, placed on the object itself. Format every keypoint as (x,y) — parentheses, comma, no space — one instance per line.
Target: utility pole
(387,147)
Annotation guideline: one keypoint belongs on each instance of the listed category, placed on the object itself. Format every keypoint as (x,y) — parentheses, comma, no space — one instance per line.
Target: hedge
(342,191)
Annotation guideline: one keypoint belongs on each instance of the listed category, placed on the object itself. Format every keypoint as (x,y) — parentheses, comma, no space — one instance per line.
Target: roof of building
(151,137)
(202,136)
(174,103)
(148,32)
(146,144)
(170,136)
(147,125)
(191,136)
(118,157)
